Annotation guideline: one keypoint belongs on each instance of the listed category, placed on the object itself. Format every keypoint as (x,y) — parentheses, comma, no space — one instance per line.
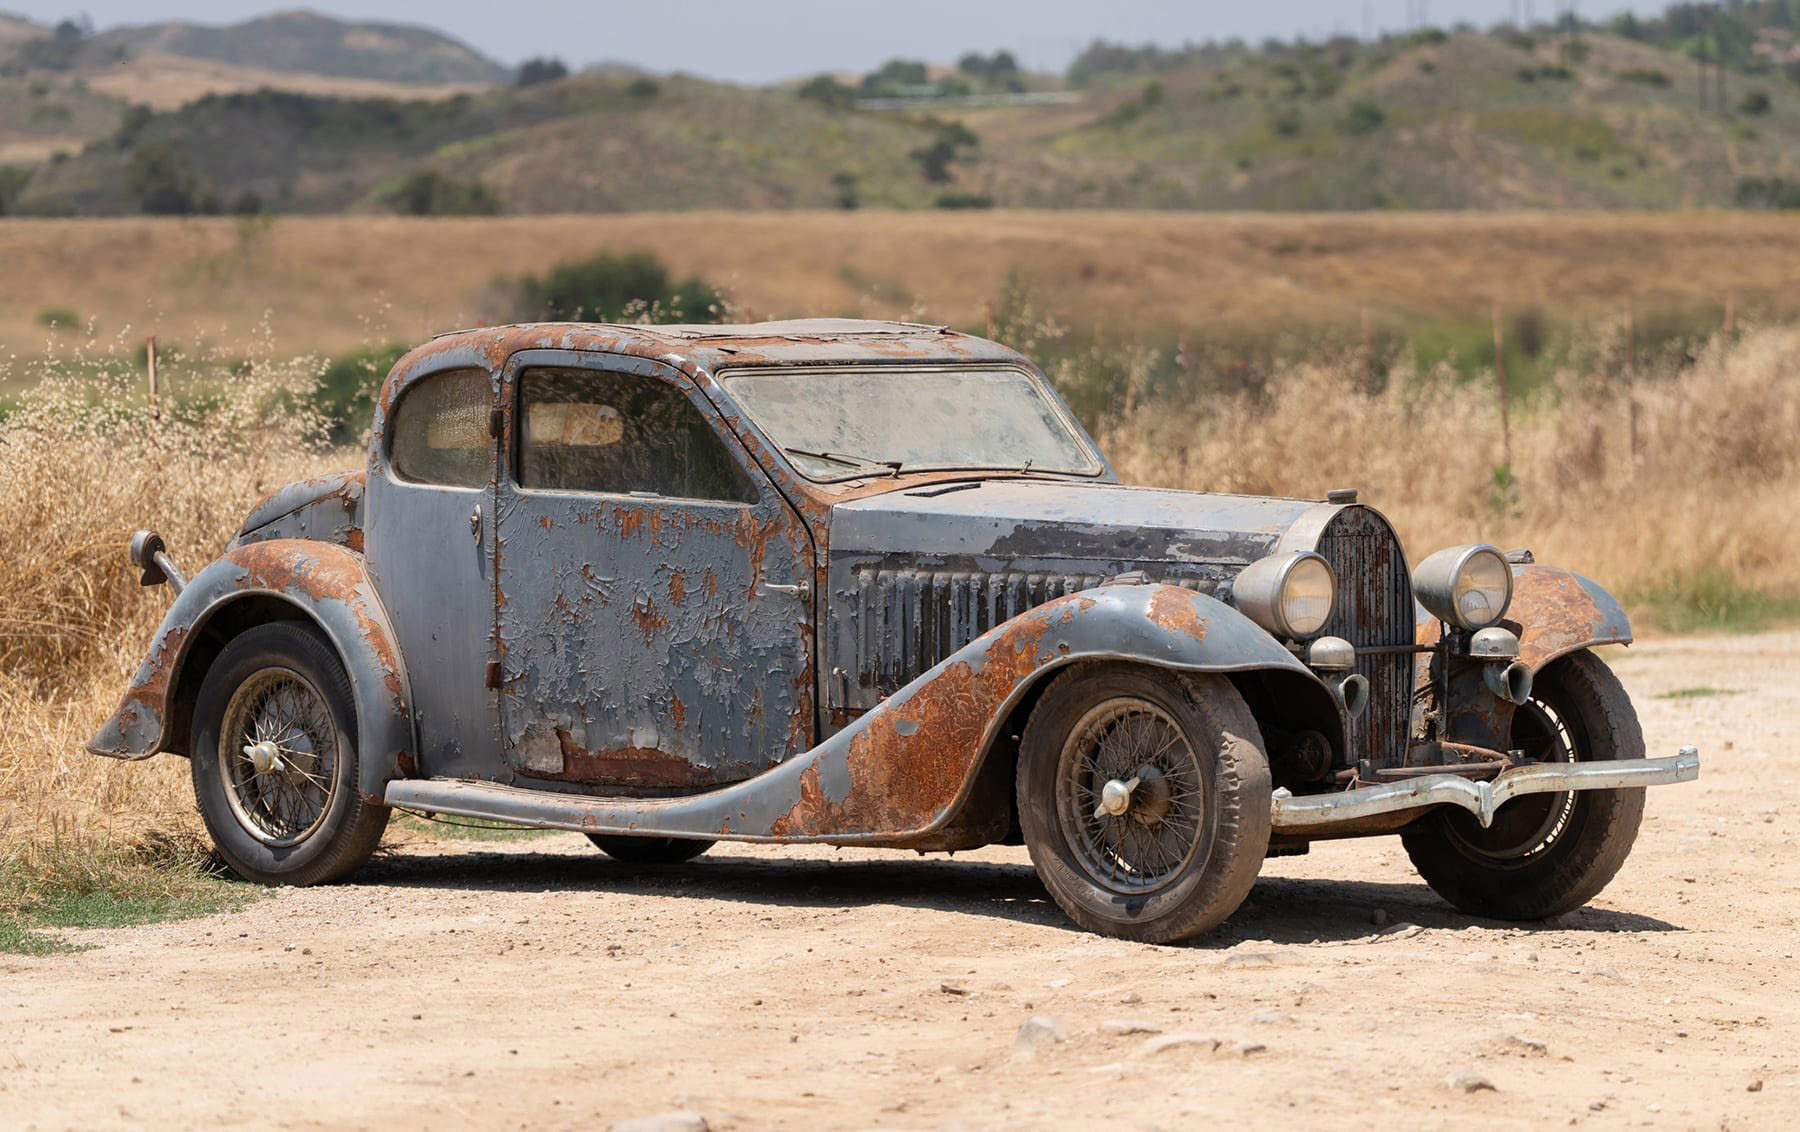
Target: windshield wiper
(848,461)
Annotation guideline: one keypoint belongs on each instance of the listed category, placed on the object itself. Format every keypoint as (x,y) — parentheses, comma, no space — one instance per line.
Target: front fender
(903,769)
(324,583)
(1557,611)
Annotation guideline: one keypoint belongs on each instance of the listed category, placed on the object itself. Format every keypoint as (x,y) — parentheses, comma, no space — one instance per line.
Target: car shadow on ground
(1282,910)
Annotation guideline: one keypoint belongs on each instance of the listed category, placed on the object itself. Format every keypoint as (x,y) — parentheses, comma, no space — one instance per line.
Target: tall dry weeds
(1711,486)
(83,461)
(1708,490)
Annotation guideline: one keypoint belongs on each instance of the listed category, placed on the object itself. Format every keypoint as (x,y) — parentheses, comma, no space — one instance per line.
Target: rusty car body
(638,582)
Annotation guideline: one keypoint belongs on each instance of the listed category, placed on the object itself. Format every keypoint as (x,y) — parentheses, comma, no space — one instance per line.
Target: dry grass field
(327,284)
(1693,523)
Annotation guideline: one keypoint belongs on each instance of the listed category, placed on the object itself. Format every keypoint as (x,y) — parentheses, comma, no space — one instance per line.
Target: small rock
(1250,959)
(1754,1086)
(1245,1049)
(1469,1081)
(664,1122)
(953,988)
(1523,1047)
(1122,1028)
(1379,917)
(1039,1030)
(1177,1041)
(1132,999)
(1269,1016)
(1058,984)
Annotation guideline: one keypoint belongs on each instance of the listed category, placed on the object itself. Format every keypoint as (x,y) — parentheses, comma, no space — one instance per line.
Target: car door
(654,609)
(428,537)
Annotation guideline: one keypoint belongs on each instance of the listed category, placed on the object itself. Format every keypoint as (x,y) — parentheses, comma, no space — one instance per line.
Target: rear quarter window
(439,432)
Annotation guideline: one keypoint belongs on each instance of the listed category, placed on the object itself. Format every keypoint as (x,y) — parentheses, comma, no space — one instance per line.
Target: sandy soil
(539,985)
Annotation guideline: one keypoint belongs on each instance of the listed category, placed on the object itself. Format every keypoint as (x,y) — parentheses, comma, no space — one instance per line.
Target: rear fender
(323,583)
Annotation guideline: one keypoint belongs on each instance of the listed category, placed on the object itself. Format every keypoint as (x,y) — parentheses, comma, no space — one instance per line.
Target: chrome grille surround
(1374,609)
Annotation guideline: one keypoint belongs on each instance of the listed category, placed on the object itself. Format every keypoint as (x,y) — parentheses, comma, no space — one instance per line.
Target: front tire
(1545,854)
(1144,798)
(274,759)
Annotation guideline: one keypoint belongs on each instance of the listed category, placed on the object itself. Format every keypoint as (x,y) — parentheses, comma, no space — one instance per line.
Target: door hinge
(493,674)
(496,423)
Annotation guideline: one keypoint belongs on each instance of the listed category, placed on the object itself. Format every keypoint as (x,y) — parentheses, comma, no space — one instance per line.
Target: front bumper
(1317,812)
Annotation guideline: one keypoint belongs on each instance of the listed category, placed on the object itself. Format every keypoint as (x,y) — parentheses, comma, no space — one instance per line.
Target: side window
(439,431)
(588,430)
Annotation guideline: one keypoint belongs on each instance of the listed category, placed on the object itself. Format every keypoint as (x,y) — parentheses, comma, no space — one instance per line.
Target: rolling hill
(297,42)
(1470,120)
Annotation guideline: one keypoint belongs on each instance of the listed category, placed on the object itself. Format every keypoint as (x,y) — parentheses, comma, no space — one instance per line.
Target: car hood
(1023,522)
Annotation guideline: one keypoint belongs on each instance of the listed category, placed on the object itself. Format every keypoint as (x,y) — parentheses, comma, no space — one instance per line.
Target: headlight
(1290,595)
(1468,586)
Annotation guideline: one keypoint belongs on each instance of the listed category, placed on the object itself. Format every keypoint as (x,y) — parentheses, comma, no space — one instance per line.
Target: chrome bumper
(1298,814)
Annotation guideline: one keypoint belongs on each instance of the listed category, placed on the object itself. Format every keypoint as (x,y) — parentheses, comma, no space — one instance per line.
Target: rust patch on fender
(912,761)
(1174,608)
(677,586)
(1555,613)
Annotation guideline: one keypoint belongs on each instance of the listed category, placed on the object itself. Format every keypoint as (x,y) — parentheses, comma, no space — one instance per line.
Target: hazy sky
(755,41)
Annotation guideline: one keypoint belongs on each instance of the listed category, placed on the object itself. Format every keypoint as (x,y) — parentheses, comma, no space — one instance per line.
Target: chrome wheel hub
(1130,796)
(280,775)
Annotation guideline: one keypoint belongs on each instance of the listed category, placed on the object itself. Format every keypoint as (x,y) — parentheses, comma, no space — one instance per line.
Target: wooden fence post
(1505,392)
(150,370)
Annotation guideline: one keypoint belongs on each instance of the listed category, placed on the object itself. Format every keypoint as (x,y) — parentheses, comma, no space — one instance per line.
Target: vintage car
(864,583)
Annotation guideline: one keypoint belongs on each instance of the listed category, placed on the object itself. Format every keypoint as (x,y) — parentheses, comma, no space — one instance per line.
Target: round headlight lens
(1290,595)
(1482,590)
(1308,596)
(1468,586)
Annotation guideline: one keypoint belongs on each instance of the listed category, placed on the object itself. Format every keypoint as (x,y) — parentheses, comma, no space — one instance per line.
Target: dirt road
(539,985)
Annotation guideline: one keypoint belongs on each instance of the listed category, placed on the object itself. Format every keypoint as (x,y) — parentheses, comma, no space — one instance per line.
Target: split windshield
(849,423)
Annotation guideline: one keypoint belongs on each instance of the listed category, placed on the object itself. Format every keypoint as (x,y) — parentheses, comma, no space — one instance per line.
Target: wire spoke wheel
(1130,796)
(278,757)
(1527,827)
(1544,854)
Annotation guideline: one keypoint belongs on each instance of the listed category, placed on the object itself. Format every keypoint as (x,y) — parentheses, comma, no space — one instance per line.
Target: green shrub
(532,72)
(162,179)
(59,318)
(1766,192)
(1648,76)
(958,199)
(346,392)
(827,92)
(426,192)
(1364,117)
(1755,103)
(616,288)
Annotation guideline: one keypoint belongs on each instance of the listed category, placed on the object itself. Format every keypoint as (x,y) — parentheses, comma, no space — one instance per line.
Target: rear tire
(1182,760)
(274,759)
(649,850)
(1545,854)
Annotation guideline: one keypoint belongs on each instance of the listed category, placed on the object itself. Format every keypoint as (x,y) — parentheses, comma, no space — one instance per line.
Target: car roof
(709,348)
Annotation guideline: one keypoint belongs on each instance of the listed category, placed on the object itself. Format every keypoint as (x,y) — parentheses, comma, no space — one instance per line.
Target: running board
(545,809)
(1315,812)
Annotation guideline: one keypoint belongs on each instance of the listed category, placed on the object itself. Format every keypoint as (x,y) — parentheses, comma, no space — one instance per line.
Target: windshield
(841,424)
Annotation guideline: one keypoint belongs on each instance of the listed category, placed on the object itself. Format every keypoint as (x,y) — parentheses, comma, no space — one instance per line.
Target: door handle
(801,590)
(475,524)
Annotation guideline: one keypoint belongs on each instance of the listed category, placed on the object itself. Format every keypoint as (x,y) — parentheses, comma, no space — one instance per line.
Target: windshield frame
(1098,467)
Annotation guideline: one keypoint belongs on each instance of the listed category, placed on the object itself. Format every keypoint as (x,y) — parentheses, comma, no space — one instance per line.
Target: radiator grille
(1374,608)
